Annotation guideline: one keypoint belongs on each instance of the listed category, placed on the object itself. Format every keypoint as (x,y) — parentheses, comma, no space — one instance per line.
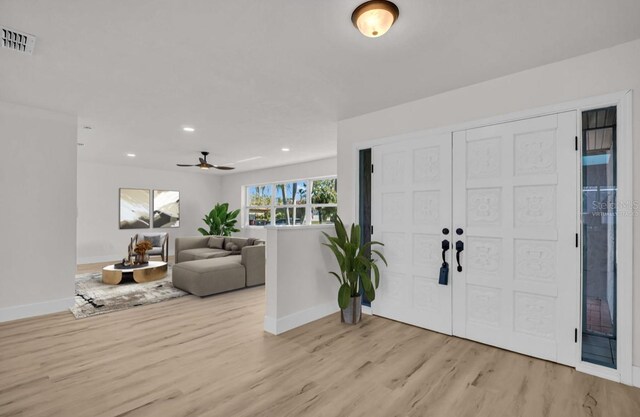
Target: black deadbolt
(445,231)
(459,231)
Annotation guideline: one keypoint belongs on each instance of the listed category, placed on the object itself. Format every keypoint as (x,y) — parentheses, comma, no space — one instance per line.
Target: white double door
(504,199)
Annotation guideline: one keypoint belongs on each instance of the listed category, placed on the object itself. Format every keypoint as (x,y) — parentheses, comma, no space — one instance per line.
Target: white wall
(299,288)
(232,184)
(38,206)
(607,71)
(99,236)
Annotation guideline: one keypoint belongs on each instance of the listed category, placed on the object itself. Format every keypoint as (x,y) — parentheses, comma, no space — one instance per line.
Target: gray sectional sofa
(207,265)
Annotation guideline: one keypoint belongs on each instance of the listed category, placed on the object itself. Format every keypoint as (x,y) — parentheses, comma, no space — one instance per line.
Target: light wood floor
(210,357)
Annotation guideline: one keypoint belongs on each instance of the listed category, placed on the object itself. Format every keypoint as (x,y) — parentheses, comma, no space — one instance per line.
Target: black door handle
(443,279)
(445,248)
(459,249)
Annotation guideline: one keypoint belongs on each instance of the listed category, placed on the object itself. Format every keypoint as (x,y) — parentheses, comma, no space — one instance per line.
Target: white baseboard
(278,326)
(636,376)
(367,310)
(36,309)
(599,371)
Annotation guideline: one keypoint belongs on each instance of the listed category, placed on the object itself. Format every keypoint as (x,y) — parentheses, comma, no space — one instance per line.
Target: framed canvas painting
(166,208)
(134,208)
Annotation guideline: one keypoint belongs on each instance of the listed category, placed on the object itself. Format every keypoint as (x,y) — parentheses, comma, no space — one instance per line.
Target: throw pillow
(232,247)
(241,242)
(251,241)
(156,240)
(216,242)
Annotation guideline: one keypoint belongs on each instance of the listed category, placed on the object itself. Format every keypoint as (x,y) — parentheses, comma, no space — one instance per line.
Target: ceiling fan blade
(185,165)
(222,167)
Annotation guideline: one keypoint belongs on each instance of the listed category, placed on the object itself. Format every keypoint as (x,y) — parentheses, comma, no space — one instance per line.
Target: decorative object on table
(166,208)
(134,208)
(141,252)
(221,222)
(93,297)
(355,269)
(132,244)
(204,164)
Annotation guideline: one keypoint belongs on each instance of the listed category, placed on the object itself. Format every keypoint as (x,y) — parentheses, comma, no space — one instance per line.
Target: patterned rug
(93,297)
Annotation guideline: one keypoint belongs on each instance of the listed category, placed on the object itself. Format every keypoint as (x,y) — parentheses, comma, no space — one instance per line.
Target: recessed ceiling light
(87,127)
(374,18)
(80,144)
(285,149)
(188,129)
(131,155)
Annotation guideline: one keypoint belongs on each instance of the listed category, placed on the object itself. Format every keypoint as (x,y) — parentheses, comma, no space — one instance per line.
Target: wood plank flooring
(210,357)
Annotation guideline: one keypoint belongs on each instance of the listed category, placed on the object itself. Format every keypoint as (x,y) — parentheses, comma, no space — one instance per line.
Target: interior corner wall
(38,222)
(99,236)
(232,183)
(607,71)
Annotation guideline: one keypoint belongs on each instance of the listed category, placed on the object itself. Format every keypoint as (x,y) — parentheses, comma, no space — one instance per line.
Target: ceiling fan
(204,164)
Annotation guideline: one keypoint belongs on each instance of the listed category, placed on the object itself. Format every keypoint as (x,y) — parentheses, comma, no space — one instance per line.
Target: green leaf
(371,294)
(380,255)
(203,231)
(344,295)
(338,255)
(355,235)
(376,274)
(341,232)
(366,281)
(337,276)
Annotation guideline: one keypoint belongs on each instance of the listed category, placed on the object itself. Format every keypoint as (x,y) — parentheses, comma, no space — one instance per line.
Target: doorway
(479,228)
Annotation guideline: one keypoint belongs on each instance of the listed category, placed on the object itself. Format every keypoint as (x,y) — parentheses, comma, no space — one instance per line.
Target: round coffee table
(154,271)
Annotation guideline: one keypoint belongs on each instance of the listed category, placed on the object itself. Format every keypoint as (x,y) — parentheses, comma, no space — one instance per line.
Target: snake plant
(356,263)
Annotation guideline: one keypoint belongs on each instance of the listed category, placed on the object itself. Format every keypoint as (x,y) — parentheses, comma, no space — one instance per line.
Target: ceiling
(254,76)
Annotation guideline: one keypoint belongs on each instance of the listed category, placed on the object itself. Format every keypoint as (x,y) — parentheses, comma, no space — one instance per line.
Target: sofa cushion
(156,240)
(216,242)
(155,251)
(215,253)
(200,253)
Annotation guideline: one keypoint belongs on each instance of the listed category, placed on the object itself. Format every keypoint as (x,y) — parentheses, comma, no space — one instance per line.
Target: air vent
(18,41)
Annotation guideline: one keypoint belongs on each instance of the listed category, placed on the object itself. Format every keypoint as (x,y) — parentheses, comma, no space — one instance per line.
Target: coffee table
(154,271)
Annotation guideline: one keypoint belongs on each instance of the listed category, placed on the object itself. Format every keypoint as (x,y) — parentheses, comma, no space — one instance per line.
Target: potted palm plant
(356,266)
(220,220)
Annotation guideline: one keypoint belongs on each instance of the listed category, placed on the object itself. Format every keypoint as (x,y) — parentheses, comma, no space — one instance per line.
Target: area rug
(94,298)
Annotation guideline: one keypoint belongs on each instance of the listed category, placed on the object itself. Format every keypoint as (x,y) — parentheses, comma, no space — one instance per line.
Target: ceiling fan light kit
(374,18)
(204,165)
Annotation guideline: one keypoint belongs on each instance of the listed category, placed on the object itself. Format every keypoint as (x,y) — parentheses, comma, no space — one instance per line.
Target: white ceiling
(253,76)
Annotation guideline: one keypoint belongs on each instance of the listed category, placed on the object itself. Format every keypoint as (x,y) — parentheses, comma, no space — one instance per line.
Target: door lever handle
(445,248)
(459,249)
(443,279)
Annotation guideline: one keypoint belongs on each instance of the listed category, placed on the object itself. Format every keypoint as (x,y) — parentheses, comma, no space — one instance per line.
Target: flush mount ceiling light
(285,149)
(131,155)
(188,129)
(374,18)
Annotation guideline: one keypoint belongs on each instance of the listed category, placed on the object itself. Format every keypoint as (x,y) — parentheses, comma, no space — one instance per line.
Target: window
(324,199)
(292,203)
(259,202)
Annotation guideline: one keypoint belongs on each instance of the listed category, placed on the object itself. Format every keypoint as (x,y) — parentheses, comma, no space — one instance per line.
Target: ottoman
(209,276)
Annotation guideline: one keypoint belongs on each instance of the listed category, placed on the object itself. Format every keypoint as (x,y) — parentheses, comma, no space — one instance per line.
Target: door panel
(514,194)
(411,204)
